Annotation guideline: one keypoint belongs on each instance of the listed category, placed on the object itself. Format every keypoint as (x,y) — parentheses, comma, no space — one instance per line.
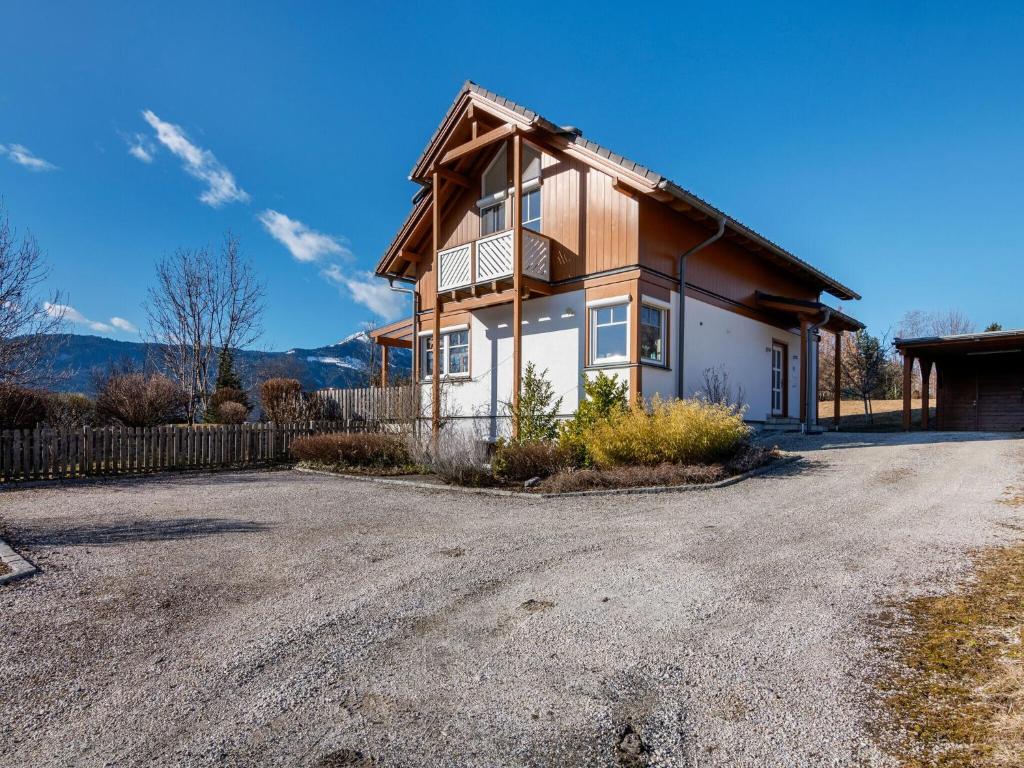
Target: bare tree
(948,322)
(865,366)
(202,304)
(25,317)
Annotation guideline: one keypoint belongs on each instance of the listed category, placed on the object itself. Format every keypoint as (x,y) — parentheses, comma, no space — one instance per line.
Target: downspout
(681,321)
(811,361)
(415,319)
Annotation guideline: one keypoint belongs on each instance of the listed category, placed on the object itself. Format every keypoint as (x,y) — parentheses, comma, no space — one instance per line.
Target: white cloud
(22,155)
(141,148)
(374,294)
(72,315)
(305,244)
(198,162)
(124,325)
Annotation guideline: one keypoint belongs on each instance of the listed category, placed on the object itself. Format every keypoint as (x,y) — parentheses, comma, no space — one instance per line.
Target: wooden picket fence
(400,403)
(44,453)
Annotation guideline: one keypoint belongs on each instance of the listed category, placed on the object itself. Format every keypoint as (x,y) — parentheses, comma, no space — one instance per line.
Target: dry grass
(888,415)
(957,697)
(4,568)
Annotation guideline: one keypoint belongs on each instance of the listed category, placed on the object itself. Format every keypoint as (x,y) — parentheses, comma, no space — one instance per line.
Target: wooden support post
(384,366)
(908,367)
(517,276)
(926,385)
(837,387)
(804,323)
(435,371)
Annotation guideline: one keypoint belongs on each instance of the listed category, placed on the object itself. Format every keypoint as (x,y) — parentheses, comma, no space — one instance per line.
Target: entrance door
(778,379)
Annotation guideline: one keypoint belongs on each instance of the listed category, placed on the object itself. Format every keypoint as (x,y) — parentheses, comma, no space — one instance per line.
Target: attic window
(495,178)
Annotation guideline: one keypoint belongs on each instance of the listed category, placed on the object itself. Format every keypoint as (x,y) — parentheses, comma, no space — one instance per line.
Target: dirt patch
(4,568)
(630,749)
(955,697)
(452,552)
(344,758)
(535,606)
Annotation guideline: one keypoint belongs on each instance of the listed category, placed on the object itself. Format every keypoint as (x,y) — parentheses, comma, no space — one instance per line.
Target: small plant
(604,396)
(516,462)
(718,389)
(361,450)
(536,415)
(134,399)
(456,457)
(224,396)
(675,431)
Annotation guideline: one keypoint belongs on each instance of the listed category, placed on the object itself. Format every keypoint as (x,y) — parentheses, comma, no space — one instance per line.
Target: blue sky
(881,142)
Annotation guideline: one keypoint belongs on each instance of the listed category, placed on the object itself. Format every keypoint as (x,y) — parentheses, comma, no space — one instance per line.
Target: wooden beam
(517,277)
(926,384)
(384,366)
(804,323)
(453,177)
(908,367)
(837,387)
(435,371)
(679,205)
(410,256)
(499,133)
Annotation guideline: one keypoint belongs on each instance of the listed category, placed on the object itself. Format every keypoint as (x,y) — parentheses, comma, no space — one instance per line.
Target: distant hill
(344,364)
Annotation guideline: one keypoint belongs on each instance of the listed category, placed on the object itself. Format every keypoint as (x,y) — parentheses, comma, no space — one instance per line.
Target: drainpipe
(415,319)
(681,321)
(811,361)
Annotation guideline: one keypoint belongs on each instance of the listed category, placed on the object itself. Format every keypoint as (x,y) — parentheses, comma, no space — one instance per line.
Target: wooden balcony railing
(490,259)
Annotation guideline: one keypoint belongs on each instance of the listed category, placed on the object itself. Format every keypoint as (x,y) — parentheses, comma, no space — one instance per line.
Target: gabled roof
(656,182)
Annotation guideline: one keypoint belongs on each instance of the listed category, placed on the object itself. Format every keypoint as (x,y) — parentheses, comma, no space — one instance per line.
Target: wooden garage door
(1001,393)
(983,392)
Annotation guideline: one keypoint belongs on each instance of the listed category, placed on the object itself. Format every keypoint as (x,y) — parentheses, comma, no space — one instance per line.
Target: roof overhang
(963,344)
(811,310)
(396,334)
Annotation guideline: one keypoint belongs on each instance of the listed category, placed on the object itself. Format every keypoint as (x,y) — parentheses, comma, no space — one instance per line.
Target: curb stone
(20,567)
(654,489)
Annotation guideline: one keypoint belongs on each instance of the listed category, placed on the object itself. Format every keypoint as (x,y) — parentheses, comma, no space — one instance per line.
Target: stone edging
(20,567)
(784,461)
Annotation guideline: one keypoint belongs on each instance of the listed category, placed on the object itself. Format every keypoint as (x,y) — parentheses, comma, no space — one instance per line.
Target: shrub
(231,413)
(282,400)
(139,400)
(516,462)
(70,410)
(675,431)
(364,449)
(457,458)
(605,396)
(22,408)
(536,415)
(223,396)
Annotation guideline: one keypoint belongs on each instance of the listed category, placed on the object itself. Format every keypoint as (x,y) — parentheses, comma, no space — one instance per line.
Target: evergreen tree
(227,378)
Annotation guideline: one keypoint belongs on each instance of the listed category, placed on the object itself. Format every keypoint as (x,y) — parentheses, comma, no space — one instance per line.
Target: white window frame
(592,308)
(663,310)
(426,372)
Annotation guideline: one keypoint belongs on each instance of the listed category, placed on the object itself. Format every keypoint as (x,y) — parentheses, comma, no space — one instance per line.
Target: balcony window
(652,335)
(531,210)
(454,354)
(492,219)
(609,334)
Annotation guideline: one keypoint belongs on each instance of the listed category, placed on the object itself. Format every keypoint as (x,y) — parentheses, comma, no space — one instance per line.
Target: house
(528,242)
(979,380)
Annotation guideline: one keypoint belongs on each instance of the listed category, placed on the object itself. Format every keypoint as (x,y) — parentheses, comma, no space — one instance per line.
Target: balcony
(488,262)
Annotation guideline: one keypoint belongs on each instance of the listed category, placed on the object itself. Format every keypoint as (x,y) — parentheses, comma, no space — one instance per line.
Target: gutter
(681,322)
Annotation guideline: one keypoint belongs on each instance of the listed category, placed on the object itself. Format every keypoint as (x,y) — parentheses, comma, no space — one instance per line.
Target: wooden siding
(984,392)
(724,268)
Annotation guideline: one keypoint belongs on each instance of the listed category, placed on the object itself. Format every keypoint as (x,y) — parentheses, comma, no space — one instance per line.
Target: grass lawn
(888,415)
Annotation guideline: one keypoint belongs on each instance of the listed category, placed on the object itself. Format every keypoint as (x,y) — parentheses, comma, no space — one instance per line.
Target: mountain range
(79,358)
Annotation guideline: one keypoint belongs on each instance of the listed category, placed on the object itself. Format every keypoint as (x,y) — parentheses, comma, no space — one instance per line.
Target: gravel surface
(280,618)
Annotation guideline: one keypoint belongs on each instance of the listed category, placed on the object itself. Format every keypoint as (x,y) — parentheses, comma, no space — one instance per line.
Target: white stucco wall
(554,338)
(742,347)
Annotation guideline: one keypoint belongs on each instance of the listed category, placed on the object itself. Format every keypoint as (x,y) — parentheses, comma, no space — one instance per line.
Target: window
(652,334)
(454,359)
(531,210)
(609,334)
(492,219)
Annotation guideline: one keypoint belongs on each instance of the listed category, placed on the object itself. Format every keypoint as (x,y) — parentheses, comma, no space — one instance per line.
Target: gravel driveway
(278,618)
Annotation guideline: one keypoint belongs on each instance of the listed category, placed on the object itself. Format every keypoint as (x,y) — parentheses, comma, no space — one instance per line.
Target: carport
(979,380)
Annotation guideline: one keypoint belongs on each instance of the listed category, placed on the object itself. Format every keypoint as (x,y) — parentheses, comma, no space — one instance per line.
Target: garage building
(979,380)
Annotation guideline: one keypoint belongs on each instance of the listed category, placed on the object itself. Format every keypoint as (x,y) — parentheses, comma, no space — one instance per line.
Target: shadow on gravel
(802,466)
(126,532)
